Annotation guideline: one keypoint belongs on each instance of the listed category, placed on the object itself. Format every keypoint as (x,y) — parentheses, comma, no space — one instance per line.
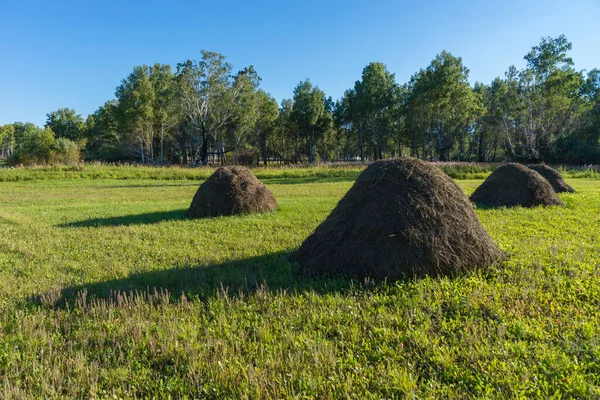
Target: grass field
(107,291)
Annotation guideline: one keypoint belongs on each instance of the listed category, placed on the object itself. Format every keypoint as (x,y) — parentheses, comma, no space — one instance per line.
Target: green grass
(287,174)
(107,291)
(123,172)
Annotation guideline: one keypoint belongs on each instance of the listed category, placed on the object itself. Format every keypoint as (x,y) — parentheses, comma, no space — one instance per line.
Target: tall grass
(456,170)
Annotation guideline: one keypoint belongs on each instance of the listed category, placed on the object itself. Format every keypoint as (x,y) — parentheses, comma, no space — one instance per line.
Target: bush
(65,152)
(40,147)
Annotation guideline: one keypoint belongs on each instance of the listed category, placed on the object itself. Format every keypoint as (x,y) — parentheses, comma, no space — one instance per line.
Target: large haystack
(515,185)
(402,218)
(229,191)
(553,176)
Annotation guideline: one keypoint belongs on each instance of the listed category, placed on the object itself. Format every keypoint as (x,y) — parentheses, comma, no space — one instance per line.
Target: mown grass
(106,291)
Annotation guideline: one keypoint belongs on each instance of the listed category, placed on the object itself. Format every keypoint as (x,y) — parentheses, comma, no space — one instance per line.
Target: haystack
(229,191)
(402,218)
(553,176)
(515,185)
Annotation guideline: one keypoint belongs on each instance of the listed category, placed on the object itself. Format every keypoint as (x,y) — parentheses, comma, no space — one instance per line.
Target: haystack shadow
(276,272)
(132,219)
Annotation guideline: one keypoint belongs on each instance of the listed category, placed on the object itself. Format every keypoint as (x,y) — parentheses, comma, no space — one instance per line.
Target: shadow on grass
(126,220)
(276,272)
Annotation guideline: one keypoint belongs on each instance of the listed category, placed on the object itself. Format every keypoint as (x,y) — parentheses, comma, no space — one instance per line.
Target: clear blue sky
(73,54)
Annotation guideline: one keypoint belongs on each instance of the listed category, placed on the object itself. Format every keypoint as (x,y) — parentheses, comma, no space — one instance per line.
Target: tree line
(204,112)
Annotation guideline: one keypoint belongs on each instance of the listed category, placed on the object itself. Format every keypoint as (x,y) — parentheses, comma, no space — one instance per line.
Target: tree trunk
(480,155)
(295,140)
(312,145)
(264,148)
(257,148)
(162,145)
(204,150)
(361,144)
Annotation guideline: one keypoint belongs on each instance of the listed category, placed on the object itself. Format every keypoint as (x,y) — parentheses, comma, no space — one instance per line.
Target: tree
(66,123)
(346,122)
(136,99)
(165,112)
(490,125)
(441,107)
(266,124)
(307,108)
(212,100)
(326,134)
(103,136)
(34,145)
(7,137)
(590,91)
(374,101)
(544,99)
(287,133)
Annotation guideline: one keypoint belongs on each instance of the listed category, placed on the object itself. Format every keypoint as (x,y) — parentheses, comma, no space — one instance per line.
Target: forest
(203,112)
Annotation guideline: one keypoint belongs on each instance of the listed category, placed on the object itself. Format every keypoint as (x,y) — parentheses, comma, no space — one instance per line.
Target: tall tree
(285,147)
(66,123)
(136,99)
(374,100)
(7,138)
(545,100)
(165,112)
(348,124)
(103,135)
(212,99)
(590,124)
(266,124)
(309,105)
(442,107)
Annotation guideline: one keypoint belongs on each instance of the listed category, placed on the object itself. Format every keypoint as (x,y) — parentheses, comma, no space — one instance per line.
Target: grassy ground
(106,290)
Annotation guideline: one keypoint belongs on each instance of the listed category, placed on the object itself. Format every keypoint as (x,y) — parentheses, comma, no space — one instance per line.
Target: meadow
(108,291)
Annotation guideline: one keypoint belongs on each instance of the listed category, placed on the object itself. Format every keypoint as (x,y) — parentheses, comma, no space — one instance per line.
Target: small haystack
(231,190)
(553,176)
(402,218)
(515,185)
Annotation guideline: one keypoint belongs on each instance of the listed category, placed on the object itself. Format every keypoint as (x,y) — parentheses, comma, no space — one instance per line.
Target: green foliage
(204,112)
(38,146)
(34,145)
(104,140)
(215,104)
(64,152)
(231,317)
(66,123)
(373,100)
(441,107)
(542,103)
(7,139)
(266,125)
(136,98)
(308,108)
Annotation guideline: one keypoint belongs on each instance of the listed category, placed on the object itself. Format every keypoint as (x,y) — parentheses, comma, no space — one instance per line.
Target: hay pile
(515,185)
(553,176)
(402,218)
(231,190)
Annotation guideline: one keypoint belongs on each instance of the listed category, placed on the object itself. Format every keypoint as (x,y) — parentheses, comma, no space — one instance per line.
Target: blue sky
(73,54)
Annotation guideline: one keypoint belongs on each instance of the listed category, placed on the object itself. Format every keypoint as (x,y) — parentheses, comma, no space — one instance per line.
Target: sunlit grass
(106,289)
